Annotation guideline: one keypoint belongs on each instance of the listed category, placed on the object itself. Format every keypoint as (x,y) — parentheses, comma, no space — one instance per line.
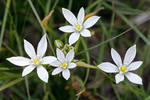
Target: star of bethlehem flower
(36,59)
(63,63)
(78,25)
(125,68)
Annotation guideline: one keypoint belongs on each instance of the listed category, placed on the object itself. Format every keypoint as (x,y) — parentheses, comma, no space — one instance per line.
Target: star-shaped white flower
(36,59)
(63,63)
(123,69)
(78,25)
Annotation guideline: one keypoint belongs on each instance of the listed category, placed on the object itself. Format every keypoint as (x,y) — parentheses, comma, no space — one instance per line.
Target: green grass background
(118,28)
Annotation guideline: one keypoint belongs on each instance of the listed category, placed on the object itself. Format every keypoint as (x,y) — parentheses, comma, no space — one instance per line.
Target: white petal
(55,63)
(73,38)
(42,46)
(130,55)
(70,55)
(69,16)
(91,21)
(66,74)
(108,67)
(29,49)
(81,15)
(56,71)
(134,78)
(19,61)
(67,29)
(119,78)
(116,57)
(72,65)
(86,33)
(28,70)
(134,65)
(48,59)
(60,55)
(42,73)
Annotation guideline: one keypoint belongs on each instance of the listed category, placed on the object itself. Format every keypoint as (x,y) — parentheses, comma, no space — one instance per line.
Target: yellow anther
(78,27)
(64,65)
(36,61)
(123,68)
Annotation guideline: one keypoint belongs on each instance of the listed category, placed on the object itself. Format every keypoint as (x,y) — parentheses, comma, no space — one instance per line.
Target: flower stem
(85,65)
(27,86)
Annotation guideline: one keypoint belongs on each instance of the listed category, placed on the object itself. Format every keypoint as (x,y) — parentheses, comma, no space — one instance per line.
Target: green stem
(85,65)
(88,61)
(27,86)
(4,22)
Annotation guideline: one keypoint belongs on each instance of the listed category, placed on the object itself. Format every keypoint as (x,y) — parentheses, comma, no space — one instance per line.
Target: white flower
(123,69)
(63,63)
(36,59)
(78,26)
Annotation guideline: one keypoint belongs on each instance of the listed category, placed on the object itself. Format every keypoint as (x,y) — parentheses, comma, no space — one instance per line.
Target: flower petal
(130,55)
(134,65)
(91,21)
(70,55)
(108,67)
(72,65)
(19,61)
(86,33)
(66,74)
(69,16)
(73,38)
(42,73)
(119,78)
(67,29)
(81,15)
(116,57)
(29,49)
(48,59)
(55,63)
(60,55)
(134,78)
(28,70)
(56,71)
(42,46)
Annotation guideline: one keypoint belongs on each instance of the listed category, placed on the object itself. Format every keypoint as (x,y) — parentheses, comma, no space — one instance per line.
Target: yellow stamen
(64,65)
(123,68)
(78,27)
(36,61)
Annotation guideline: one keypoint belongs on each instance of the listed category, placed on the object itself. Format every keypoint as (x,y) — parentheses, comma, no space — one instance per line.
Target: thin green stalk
(55,4)
(27,86)
(70,4)
(4,22)
(48,5)
(39,20)
(88,61)
(112,23)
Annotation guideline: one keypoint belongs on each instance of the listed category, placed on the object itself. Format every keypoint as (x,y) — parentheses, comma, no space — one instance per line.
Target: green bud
(59,44)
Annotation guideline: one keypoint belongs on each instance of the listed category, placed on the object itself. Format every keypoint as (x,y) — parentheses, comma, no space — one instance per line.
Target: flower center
(123,68)
(36,61)
(64,64)
(78,27)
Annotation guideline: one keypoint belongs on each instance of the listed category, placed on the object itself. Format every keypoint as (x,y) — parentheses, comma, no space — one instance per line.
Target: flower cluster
(64,61)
